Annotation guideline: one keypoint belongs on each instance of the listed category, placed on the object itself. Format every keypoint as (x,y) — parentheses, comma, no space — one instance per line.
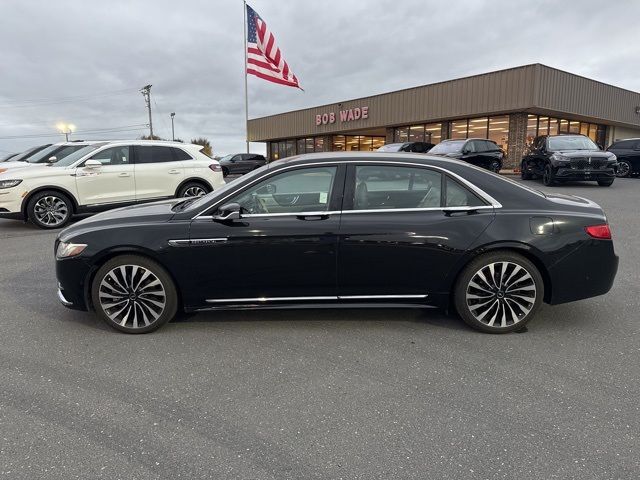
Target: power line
(55,101)
(124,128)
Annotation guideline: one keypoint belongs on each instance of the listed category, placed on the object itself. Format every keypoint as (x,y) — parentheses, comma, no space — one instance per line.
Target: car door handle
(124,174)
(174,171)
(314,217)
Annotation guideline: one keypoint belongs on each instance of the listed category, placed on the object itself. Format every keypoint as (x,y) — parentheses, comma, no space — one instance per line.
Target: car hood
(156,212)
(34,171)
(11,165)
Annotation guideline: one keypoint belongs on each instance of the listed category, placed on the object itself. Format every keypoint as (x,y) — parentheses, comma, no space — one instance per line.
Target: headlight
(561,159)
(9,183)
(66,250)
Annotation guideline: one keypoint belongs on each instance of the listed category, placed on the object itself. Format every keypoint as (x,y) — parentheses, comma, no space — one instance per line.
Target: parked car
(565,157)
(628,154)
(477,151)
(241,163)
(51,154)
(318,230)
(416,147)
(27,153)
(104,176)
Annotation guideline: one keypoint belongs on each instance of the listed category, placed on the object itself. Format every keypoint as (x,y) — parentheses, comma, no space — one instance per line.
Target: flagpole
(246,95)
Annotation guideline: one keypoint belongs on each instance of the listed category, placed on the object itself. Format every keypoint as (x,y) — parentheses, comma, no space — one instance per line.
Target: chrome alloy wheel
(132,296)
(194,191)
(624,168)
(501,294)
(51,211)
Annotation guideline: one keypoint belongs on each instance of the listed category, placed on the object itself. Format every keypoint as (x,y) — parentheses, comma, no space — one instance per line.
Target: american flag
(264,58)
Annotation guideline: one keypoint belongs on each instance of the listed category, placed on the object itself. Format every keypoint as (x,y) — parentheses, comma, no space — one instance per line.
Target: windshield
(42,154)
(226,157)
(24,155)
(448,147)
(392,147)
(77,155)
(567,142)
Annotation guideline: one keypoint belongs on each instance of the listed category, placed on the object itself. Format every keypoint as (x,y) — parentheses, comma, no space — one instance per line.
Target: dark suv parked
(415,147)
(628,153)
(559,158)
(241,163)
(477,151)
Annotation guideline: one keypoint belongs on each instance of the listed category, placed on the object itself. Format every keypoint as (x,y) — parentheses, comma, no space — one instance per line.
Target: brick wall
(517,139)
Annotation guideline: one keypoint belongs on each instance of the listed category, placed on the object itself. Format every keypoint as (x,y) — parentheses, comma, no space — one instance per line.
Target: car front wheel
(498,292)
(548,177)
(134,294)
(606,183)
(49,209)
(624,169)
(193,189)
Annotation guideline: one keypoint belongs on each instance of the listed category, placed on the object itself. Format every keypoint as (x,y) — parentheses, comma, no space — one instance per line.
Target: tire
(524,174)
(134,294)
(192,189)
(225,171)
(495,166)
(548,177)
(624,169)
(509,269)
(49,209)
(606,183)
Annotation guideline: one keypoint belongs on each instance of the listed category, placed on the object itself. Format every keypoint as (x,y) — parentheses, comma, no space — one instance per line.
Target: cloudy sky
(84,61)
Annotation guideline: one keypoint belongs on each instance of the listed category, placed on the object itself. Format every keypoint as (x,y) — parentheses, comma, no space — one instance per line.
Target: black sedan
(477,151)
(342,229)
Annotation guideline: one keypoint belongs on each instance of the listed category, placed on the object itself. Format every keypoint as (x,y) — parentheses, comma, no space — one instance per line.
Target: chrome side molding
(317,298)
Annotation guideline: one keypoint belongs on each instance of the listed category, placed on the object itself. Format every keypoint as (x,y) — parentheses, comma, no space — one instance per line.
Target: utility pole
(146,93)
(173,135)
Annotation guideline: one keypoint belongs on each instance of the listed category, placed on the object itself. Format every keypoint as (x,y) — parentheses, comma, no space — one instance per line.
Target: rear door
(402,230)
(113,182)
(158,171)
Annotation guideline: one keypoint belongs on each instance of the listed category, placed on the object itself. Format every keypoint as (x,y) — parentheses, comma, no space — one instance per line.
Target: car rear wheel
(193,189)
(225,171)
(495,166)
(134,294)
(524,174)
(606,183)
(499,292)
(49,209)
(548,177)
(624,169)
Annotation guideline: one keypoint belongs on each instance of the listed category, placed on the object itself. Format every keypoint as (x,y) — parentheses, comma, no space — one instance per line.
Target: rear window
(448,147)
(181,154)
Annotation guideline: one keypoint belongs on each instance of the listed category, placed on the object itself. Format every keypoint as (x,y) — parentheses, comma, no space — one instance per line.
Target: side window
(491,147)
(113,156)
(237,158)
(153,154)
(459,196)
(481,146)
(68,150)
(302,190)
(390,187)
(181,154)
(469,147)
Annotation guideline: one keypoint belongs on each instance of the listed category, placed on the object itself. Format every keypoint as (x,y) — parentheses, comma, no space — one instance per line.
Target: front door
(113,182)
(402,230)
(282,249)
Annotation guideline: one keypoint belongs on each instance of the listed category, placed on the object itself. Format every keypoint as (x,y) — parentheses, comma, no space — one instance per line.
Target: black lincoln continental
(344,229)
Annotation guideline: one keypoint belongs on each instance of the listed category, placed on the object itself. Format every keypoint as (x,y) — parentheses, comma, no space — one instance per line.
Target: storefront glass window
(416,133)
(274,151)
(377,142)
(584,128)
(291,148)
(319,144)
(574,127)
(532,128)
(338,143)
(401,134)
(433,132)
(564,126)
(499,131)
(282,149)
(300,145)
(459,129)
(478,127)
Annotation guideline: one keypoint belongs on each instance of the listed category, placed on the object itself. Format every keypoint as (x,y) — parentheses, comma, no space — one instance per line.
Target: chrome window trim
(290,299)
(292,214)
(493,203)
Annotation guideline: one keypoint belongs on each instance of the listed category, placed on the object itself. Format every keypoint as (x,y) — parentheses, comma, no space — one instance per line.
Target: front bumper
(11,203)
(574,174)
(73,276)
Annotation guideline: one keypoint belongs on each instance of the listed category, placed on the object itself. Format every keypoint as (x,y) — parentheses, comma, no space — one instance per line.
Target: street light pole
(67,129)
(173,135)
(146,93)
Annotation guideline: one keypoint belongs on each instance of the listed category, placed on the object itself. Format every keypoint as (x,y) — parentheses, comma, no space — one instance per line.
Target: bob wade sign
(348,115)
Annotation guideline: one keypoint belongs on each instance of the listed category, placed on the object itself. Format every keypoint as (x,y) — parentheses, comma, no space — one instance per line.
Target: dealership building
(510,107)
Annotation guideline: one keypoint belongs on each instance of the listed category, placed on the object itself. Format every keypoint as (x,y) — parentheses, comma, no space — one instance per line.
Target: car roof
(370,156)
(162,143)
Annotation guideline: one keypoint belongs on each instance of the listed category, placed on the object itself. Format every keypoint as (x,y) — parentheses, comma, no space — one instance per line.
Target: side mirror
(227,212)
(52,159)
(92,164)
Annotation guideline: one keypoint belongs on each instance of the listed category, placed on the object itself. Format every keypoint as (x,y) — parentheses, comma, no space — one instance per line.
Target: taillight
(602,232)
(215,167)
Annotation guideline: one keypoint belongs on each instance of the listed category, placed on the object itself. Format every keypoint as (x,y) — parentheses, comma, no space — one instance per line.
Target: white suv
(106,175)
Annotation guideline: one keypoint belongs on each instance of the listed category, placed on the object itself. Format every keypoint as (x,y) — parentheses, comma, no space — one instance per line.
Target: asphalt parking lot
(305,394)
